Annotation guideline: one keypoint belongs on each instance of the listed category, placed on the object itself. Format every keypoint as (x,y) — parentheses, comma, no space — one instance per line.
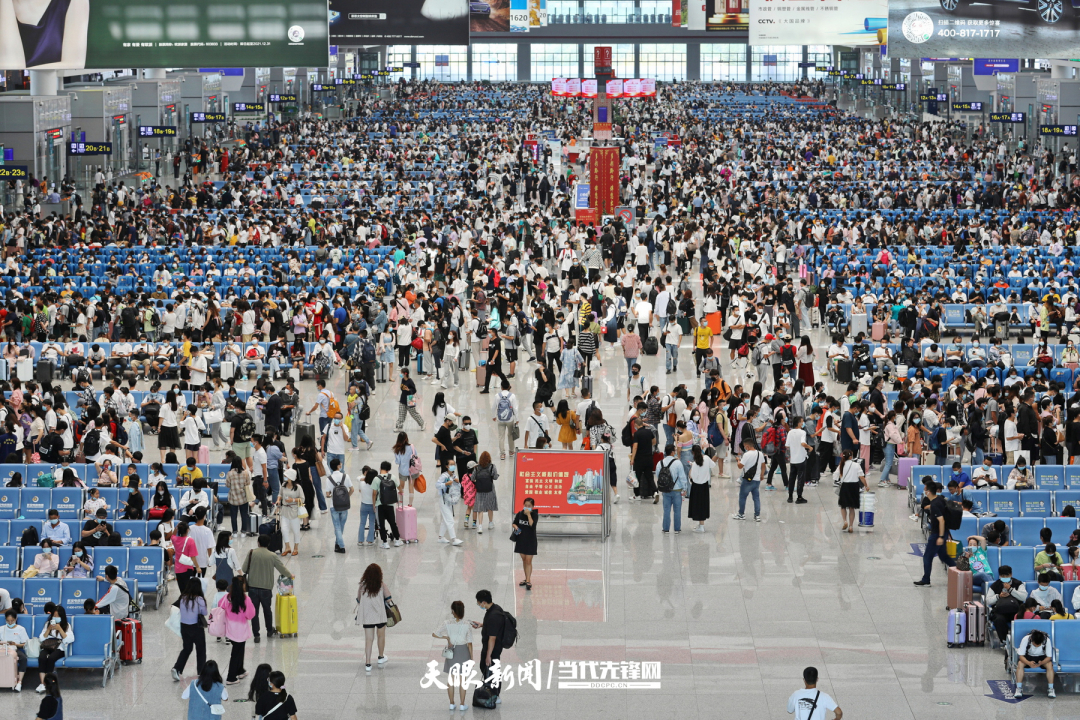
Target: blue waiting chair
(147,566)
(1036,503)
(75,592)
(1025,530)
(1021,560)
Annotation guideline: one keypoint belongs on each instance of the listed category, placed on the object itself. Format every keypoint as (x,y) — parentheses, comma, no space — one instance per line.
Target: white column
(43,82)
(154,73)
(1061,72)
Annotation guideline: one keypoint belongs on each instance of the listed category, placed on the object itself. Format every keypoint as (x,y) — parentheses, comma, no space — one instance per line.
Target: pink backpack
(217,622)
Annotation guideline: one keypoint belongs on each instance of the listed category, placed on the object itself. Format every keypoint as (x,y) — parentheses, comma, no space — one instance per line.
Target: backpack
(339,496)
(333,407)
(482,479)
(83,374)
(671,309)
(628,433)
(387,491)
(664,480)
(505,410)
(510,633)
(933,441)
(247,428)
(30,537)
(92,443)
(770,443)
(367,351)
(787,356)
(155,319)
(954,515)
(321,364)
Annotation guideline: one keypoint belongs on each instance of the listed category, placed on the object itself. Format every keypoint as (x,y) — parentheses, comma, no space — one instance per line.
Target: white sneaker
(466,525)
(616,499)
(398,543)
(367,669)
(18,687)
(1050,693)
(699,529)
(462,708)
(498,700)
(738,516)
(176,675)
(383,660)
(386,546)
(453,707)
(40,688)
(480,528)
(443,540)
(457,542)
(491,525)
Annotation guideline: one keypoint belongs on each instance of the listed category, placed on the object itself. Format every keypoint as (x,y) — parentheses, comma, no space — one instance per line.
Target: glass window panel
(554,60)
(495,62)
(456,69)
(663,61)
(622,60)
(723,62)
(786,68)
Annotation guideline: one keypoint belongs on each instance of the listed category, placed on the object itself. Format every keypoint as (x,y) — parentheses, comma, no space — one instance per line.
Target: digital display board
(248,107)
(205,117)
(1016,117)
(157,131)
(90,148)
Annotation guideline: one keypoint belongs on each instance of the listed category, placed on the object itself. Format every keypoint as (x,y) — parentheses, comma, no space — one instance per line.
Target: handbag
(515,431)
(420,484)
(302,513)
(216,708)
(393,614)
(33,645)
(249,493)
(211,417)
(173,622)
(448,652)
(50,643)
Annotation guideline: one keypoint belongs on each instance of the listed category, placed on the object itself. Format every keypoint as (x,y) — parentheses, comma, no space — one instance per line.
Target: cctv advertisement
(74,34)
(823,22)
(958,28)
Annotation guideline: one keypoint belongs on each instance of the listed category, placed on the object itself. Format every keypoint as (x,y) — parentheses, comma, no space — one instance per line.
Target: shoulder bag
(272,710)
(393,614)
(216,708)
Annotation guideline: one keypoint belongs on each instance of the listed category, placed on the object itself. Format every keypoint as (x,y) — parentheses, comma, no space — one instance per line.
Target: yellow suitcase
(286,615)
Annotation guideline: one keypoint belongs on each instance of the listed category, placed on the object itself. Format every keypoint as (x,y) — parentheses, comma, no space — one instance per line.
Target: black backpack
(30,537)
(339,496)
(628,434)
(787,356)
(483,482)
(387,491)
(247,428)
(92,443)
(664,480)
(510,633)
(954,515)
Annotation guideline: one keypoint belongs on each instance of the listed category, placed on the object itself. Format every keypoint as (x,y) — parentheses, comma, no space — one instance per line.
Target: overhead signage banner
(993,66)
(74,34)
(823,22)
(604,179)
(413,22)
(561,483)
(957,28)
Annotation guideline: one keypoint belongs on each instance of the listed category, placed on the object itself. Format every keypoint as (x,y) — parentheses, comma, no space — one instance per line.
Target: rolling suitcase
(406,523)
(305,430)
(959,591)
(586,384)
(44,371)
(228,369)
(24,370)
(286,618)
(380,372)
(4,370)
(464,360)
(957,630)
(294,374)
(976,622)
(903,470)
(204,455)
(131,638)
(996,458)
(877,332)
(273,529)
(651,346)
(843,371)
(481,375)
(858,324)
(9,667)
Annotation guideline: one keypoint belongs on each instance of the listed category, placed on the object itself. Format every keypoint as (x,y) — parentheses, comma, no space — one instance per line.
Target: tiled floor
(733,615)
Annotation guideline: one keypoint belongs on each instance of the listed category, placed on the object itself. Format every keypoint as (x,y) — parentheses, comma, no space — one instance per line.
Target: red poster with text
(561,483)
(604,179)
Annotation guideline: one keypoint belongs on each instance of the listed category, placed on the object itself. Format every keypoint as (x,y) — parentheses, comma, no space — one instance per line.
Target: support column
(524,62)
(1061,72)
(805,58)
(749,63)
(43,82)
(412,58)
(468,62)
(693,61)
(637,60)
(581,61)
(154,74)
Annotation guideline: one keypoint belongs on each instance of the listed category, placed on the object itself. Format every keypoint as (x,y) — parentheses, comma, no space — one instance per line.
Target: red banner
(604,179)
(601,60)
(561,483)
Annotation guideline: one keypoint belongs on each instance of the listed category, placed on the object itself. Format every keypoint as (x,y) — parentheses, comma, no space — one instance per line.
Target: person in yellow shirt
(702,342)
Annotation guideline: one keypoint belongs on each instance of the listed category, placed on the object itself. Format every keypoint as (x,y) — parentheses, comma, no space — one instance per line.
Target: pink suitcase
(406,523)
(9,667)
(204,455)
(877,331)
(903,471)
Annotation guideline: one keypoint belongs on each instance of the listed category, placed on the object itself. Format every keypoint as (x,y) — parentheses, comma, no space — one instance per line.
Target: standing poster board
(570,484)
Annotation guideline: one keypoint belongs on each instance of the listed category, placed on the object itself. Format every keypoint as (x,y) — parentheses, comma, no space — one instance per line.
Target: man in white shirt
(837,352)
(199,365)
(504,412)
(253,358)
(751,469)
(644,312)
(203,537)
(119,358)
(338,479)
(536,426)
(141,356)
(798,452)
(883,358)
(1034,651)
(810,703)
(335,438)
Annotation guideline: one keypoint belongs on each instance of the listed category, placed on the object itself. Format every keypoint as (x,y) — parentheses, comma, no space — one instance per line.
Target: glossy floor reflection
(732,615)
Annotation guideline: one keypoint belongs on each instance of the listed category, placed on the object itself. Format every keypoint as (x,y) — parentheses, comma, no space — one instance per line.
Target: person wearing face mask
(59,533)
(335,439)
(449,495)
(46,562)
(56,638)
(1004,599)
(14,635)
(80,564)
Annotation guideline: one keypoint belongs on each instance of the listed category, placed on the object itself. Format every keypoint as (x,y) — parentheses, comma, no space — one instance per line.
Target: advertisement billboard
(436,22)
(962,29)
(573,87)
(992,66)
(489,16)
(614,88)
(727,15)
(558,87)
(618,88)
(74,34)
(588,88)
(604,179)
(631,88)
(825,22)
(562,483)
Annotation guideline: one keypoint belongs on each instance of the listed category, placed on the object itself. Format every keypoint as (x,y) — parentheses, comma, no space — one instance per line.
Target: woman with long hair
(259,686)
(168,422)
(206,692)
(851,477)
(451,354)
(805,357)
(192,609)
(185,556)
(371,612)
(238,613)
(404,453)
(226,563)
(302,470)
(568,423)
(524,536)
(290,499)
(52,705)
(701,469)
(484,476)
(59,629)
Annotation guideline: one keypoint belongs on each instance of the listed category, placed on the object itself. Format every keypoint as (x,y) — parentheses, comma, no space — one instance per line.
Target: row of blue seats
(144,565)
(1022,562)
(132,532)
(96,644)
(947,375)
(1023,531)
(27,501)
(1064,638)
(1019,503)
(1062,479)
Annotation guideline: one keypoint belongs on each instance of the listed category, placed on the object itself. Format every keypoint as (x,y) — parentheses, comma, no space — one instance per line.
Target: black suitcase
(843,371)
(482,698)
(43,371)
(651,346)
(586,384)
(273,529)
